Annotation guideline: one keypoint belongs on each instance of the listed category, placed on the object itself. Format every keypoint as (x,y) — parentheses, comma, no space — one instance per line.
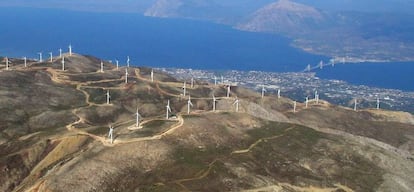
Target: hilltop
(54,135)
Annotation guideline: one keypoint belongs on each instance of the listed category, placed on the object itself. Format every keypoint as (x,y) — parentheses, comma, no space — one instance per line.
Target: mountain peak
(283,16)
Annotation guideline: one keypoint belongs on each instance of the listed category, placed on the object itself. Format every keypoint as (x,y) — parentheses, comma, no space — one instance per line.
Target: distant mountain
(286,17)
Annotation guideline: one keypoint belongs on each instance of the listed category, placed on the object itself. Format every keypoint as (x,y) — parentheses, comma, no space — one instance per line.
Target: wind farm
(91,115)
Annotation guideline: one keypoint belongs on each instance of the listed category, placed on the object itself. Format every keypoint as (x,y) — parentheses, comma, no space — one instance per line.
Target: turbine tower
(102,66)
(126,75)
(168,109)
(111,134)
(60,52)
(278,93)
(184,88)
(40,57)
(308,68)
(294,106)
(152,75)
(108,97)
(137,118)
(316,96)
(222,79)
(128,60)
(7,63)
(306,102)
(117,64)
(263,91)
(215,80)
(228,90)
(321,64)
(70,49)
(192,82)
(236,102)
(51,56)
(355,104)
(378,103)
(189,104)
(63,63)
(25,61)
(214,103)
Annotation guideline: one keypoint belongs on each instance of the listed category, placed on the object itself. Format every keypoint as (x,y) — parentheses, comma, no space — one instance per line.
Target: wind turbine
(321,64)
(228,90)
(278,93)
(60,52)
(126,75)
(378,103)
(294,106)
(215,80)
(192,82)
(128,60)
(70,49)
(51,56)
(117,64)
(263,91)
(236,102)
(214,103)
(168,109)
(102,66)
(306,102)
(63,63)
(137,120)
(222,79)
(111,134)
(355,104)
(152,75)
(316,96)
(189,104)
(25,61)
(7,63)
(40,57)
(108,97)
(184,88)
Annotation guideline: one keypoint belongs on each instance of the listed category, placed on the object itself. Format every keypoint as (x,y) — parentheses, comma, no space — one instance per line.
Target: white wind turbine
(321,64)
(214,103)
(111,134)
(40,57)
(63,63)
(102,66)
(306,102)
(215,80)
(316,96)
(126,75)
(294,106)
(189,104)
(355,104)
(137,118)
(25,61)
(263,91)
(278,93)
(51,57)
(152,75)
(128,60)
(236,102)
(60,52)
(7,63)
(378,103)
(184,89)
(308,68)
(168,109)
(108,97)
(192,82)
(70,49)
(222,79)
(117,64)
(228,90)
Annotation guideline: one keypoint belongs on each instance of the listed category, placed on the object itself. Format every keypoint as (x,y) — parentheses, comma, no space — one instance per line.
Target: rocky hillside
(54,135)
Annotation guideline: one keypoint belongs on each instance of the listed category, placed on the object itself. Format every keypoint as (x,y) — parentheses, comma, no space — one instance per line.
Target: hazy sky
(405,6)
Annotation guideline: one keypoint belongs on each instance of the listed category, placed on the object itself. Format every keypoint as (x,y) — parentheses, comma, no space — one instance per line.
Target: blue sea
(179,43)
